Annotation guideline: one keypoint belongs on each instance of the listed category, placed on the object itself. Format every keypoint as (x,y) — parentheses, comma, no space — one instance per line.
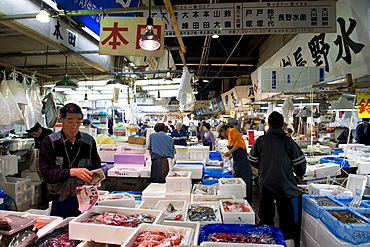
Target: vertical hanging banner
(120,36)
(363,105)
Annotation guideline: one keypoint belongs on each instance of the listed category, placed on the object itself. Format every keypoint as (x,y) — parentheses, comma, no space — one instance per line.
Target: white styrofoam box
(319,148)
(271,80)
(150,203)
(307,240)
(178,182)
(353,146)
(23,196)
(15,185)
(328,190)
(36,187)
(214,205)
(107,151)
(23,206)
(232,186)
(193,225)
(51,221)
(125,171)
(324,237)
(199,161)
(186,233)
(356,184)
(36,199)
(196,170)
(214,244)
(145,172)
(199,153)
(309,223)
(236,217)
(179,206)
(123,200)
(182,152)
(203,189)
(363,167)
(368,180)
(111,234)
(34,176)
(178,196)
(37,211)
(326,169)
(155,189)
(211,198)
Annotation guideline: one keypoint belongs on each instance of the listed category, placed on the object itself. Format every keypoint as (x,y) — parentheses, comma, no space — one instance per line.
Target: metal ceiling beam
(33,54)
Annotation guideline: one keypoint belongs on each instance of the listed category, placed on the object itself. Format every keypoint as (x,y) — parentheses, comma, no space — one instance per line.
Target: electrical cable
(11,198)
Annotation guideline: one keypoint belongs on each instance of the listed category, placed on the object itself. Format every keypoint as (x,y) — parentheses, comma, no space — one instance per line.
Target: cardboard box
(107,233)
(140,140)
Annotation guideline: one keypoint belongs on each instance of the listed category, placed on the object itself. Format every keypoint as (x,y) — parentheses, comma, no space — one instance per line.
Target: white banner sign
(253,18)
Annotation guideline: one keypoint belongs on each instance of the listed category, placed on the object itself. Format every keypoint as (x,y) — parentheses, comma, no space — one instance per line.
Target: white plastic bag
(19,92)
(50,110)
(5,112)
(27,109)
(35,100)
(15,113)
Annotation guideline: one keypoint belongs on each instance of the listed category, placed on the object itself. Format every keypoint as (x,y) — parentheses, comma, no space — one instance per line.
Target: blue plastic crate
(216,172)
(214,155)
(207,181)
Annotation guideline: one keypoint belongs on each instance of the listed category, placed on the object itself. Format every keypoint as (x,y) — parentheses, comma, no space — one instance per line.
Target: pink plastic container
(130,158)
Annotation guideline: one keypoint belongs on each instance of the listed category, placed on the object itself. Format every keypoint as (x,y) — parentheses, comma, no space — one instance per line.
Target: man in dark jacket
(38,133)
(363,132)
(66,160)
(277,156)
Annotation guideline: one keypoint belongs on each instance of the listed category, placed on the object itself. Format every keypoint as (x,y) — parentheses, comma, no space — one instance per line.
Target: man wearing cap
(38,133)
(363,132)
(238,151)
(277,156)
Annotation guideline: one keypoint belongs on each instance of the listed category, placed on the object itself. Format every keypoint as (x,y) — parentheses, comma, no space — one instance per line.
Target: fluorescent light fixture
(215,36)
(165,93)
(91,33)
(157,81)
(43,16)
(161,87)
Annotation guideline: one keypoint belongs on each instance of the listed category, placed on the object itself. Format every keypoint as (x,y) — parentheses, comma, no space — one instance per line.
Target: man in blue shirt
(160,147)
(363,132)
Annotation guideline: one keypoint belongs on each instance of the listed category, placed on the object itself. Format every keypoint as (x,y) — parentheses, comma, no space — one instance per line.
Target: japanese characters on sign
(62,34)
(120,36)
(363,105)
(253,18)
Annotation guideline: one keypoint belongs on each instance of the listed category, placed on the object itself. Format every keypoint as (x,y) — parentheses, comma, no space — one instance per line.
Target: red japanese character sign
(363,105)
(120,36)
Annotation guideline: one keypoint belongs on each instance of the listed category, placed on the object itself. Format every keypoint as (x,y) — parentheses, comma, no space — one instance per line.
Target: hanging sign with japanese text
(120,36)
(253,18)
(363,105)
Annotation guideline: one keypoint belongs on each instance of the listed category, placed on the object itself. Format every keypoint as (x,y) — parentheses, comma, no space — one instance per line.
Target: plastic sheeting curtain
(186,96)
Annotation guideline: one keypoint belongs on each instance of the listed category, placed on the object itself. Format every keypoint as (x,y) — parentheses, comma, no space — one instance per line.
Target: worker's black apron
(242,169)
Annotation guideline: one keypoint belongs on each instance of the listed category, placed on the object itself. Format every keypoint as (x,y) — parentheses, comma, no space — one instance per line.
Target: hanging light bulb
(66,82)
(117,82)
(43,16)
(149,41)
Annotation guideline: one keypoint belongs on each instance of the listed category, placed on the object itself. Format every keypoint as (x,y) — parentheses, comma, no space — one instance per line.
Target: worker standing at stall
(179,135)
(160,147)
(363,132)
(238,151)
(277,156)
(66,160)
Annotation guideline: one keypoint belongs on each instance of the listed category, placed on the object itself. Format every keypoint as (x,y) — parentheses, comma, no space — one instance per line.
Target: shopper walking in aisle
(179,135)
(277,156)
(238,151)
(261,126)
(363,132)
(160,147)
(208,138)
(66,160)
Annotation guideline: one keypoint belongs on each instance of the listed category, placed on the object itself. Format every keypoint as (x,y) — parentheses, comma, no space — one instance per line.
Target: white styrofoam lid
(356,184)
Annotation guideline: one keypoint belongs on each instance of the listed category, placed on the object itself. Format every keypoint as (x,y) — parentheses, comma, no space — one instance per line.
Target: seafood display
(113,219)
(322,201)
(205,190)
(175,174)
(346,217)
(253,238)
(115,196)
(152,239)
(235,206)
(58,238)
(171,213)
(202,213)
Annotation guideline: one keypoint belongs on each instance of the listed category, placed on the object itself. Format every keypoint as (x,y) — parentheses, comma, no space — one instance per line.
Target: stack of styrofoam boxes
(127,164)
(233,186)
(328,190)
(108,234)
(146,170)
(237,212)
(36,193)
(320,171)
(199,153)
(153,193)
(178,185)
(20,189)
(182,153)
(107,151)
(195,166)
